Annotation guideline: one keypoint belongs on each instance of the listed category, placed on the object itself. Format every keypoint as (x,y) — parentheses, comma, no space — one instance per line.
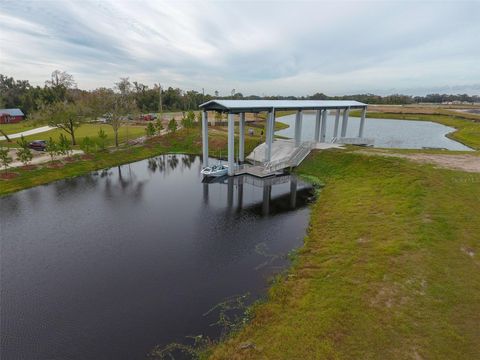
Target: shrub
(5,159)
(189,120)
(150,129)
(87,145)
(52,148)
(24,153)
(102,140)
(64,145)
(172,125)
(159,125)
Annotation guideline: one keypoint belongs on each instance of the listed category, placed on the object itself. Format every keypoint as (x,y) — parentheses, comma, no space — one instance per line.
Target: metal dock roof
(237,106)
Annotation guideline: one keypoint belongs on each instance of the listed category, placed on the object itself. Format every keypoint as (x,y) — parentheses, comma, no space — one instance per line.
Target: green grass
(17,127)
(280,125)
(467,131)
(385,271)
(91,130)
(186,141)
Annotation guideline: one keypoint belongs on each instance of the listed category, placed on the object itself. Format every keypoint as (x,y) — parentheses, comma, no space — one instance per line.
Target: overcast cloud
(254,47)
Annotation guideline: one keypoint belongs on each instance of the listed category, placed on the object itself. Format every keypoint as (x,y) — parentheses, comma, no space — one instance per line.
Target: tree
(5,159)
(102,139)
(52,148)
(159,126)
(122,108)
(124,86)
(24,153)
(150,129)
(189,120)
(172,125)
(87,144)
(61,79)
(64,146)
(65,116)
(115,107)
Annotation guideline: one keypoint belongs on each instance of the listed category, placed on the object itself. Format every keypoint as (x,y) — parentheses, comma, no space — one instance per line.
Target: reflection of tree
(152,165)
(68,187)
(161,163)
(128,184)
(105,173)
(173,161)
(188,160)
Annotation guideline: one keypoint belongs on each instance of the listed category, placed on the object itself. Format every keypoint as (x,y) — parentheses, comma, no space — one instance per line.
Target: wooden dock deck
(258,171)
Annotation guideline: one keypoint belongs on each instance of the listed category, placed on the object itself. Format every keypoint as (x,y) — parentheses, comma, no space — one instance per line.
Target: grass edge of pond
(429,233)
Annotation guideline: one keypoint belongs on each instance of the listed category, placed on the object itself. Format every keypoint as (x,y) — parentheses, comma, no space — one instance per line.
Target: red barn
(10,116)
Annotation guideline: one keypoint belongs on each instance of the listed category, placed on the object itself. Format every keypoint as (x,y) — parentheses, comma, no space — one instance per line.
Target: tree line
(61,87)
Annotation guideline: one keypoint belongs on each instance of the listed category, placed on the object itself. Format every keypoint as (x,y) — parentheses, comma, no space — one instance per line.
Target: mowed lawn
(91,130)
(390,268)
(17,127)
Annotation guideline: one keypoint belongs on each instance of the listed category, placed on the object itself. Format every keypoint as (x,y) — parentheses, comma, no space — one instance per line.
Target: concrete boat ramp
(284,154)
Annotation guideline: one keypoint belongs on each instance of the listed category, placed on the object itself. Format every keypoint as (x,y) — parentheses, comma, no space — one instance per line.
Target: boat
(215,170)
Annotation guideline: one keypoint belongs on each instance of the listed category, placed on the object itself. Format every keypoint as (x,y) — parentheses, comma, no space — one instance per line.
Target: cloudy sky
(283,47)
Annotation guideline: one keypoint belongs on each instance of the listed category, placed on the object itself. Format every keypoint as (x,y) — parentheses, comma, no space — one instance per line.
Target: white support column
(272,126)
(241,136)
(298,128)
(268,137)
(318,115)
(205,137)
(231,144)
(345,122)
(362,122)
(323,127)
(337,121)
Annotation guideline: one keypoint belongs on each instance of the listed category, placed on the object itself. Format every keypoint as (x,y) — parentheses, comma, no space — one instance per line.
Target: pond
(108,265)
(387,133)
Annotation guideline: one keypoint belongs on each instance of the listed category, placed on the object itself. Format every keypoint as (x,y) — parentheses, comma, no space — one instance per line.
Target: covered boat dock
(299,149)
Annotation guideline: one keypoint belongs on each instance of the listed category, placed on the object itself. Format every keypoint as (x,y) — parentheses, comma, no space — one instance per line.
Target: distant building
(10,116)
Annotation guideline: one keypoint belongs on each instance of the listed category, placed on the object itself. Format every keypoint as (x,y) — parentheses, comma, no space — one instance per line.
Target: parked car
(39,145)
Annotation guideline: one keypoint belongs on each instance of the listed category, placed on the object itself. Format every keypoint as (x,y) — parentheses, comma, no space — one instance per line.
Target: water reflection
(108,265)
(267,205)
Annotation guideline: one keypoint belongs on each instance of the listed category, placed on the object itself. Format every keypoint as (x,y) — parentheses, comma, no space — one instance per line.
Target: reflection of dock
(287,201)
(273,180)
(254,181)
(254,170)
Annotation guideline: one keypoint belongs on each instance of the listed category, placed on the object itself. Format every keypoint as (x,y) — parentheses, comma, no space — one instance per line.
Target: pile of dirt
(465,162)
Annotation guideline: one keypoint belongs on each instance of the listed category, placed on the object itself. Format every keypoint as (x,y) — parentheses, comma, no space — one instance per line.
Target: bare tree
(124,86)
(61,78)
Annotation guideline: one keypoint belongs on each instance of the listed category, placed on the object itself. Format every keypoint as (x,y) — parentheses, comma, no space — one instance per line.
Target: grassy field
(183,141)
(18,127)
(468,130)
(91,130)
(389,269)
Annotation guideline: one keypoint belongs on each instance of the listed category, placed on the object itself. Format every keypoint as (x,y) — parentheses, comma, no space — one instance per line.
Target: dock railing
(293,160)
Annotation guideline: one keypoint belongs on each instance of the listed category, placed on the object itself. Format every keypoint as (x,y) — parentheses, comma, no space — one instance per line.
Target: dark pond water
(106,266)
(387,133)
